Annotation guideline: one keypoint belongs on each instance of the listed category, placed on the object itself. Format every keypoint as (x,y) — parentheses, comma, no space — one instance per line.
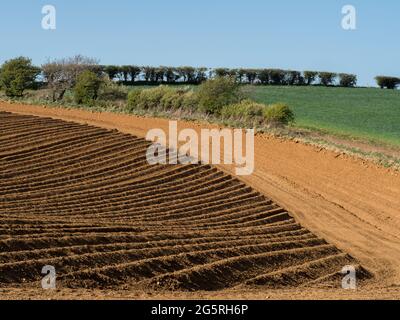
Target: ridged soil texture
(84,200)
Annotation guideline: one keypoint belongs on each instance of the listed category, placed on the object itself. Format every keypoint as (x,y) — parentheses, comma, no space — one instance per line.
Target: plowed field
(84,200)
(71,196)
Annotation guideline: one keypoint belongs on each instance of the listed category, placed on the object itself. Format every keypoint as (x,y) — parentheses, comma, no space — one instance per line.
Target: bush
(163,97)
(151,98)
(172,99)
(61,75)
(278,115)
(387,82)
(348,80)
(110,91)
(190,101)
(245,109)
(133,99)
(214,94)
(17,75)
(249,112)
(87,88)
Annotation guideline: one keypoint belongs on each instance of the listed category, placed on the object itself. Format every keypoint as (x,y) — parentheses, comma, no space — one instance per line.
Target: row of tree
(61,75)
(190,75)
(288,77)
(132,74)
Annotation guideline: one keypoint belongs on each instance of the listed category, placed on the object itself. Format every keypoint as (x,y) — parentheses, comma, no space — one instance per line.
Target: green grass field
(366,113)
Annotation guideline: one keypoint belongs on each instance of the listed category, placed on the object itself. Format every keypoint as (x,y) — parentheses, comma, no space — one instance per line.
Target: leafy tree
(187,73)
(251,75)
(149,74)
(61,75)
(222,72)
(277,76)
(327,78)
(159,74)
(240,74)
(348,80)
(387,82)
(216,93)
(232,73)
(263,76)
(87,88)
(201,74)
(170,74)
(134,72)
(124,71)
(17,75)
(310,77)
(293,77)
(112,71)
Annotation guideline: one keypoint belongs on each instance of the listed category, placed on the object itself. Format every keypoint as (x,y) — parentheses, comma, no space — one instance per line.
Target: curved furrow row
(174,199)
(135,170)
(185,244)
(84,152)
(167,175)
(11,230)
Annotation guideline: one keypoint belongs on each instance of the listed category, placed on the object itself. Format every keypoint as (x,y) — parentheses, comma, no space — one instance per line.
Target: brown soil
(78,198)
(371,293)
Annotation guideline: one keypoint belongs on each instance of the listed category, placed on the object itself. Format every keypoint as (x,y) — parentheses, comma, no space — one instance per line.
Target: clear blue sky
(288,34)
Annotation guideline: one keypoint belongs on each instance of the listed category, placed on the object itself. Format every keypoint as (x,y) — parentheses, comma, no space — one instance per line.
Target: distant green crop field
(366,113)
